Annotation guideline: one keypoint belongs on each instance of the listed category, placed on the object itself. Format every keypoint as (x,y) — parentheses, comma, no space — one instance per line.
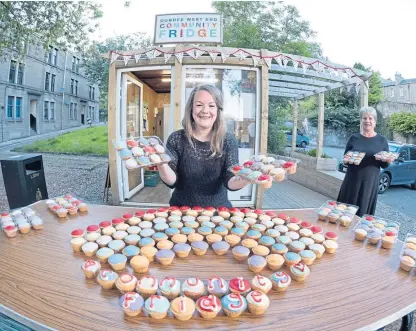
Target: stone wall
(409,139)
(332,138)
(387,108)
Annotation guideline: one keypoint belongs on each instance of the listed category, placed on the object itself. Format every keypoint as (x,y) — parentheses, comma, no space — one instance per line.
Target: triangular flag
(304,67)
(114,57)
(191,53)
(255,60)
(224,57)
(295,64)
(240,54)
(285,61)
(213,56)
(268,61)
(137,57)
(278,59)
(150,54)
(198,53)
(349,73)
(315,65)
(179,56)
(167,57)
(126,59)
(156,52)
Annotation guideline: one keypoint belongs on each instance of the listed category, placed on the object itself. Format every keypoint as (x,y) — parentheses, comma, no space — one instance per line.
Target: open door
(131,126)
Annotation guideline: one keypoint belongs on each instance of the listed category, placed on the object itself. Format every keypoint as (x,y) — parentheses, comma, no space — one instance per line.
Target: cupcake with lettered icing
(91,268)
(208,306)
(147,286)
(300,271)
(280,281)
(240,285)
(258,302)
(107,279)
(261,283)
(217,286)
(131,303)
(234,304)
(182,308)
(193,288)
(157,306)
(126,282)
(170,287)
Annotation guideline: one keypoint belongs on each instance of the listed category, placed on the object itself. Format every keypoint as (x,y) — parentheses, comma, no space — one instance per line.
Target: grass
(89,141)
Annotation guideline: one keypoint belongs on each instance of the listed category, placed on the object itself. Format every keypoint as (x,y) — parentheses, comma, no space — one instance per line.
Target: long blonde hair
(218,128)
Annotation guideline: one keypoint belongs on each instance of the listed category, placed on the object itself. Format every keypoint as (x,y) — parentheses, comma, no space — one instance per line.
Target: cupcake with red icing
(265,181)
(209,211)
(127,216)
(316,229)
(184,209)
(331,236)
(208,306)
(290,167)
(236,169)
(240,285)
(284,217)
(78,233)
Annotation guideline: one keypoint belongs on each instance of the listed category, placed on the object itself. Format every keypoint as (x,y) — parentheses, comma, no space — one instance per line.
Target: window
(10,107)
(404,153)
(12,72)
(401,92)
(76,87)
(412,154)
(53,78)
(72,86)
(77,67)
(51,55)
(18,113)
(46,110)
(14,107)
(392,92)
(73,109)
(54,56)
(73,63)
(52,110)
(91,93)
(47,78)
(20,72)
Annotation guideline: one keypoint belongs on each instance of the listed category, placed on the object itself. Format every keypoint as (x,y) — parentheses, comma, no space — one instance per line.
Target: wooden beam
(177,92)
(321,115)
(332,86)
(299,80)
(287,90)
(292,85)
(285,95)
(295,124)
(309,73)
(364,94)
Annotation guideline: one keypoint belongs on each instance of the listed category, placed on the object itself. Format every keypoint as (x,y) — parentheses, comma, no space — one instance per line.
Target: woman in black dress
(360,185)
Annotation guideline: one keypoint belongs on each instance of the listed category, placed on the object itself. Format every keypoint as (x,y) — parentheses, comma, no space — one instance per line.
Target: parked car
(402,171)
(302,140)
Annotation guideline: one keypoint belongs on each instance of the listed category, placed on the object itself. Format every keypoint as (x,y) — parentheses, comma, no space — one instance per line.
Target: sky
(380,34)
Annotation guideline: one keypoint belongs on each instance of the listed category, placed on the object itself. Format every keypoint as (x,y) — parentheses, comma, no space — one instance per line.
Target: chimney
(398,78)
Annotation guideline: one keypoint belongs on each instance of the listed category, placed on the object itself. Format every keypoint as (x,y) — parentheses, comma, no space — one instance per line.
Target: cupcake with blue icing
(266,241)
(227,224)
(280,281)
(187,231)
(272,233)
(157,306)
(238,232)
(116,245)
(256,263)
(221,230)
(204,230)
(146,242)
(220,247)
(145,233)
(117,261)
(182,250)
(171,232)
(130,251)
(241,253)
(125,154)
(107,279)
(170,287)
(131,303)
(165,256)
(307,256)
(199,247)
(234,304)
(296,246)
(132,239)
(285,240)
(104,253)
(292,258)
(217,286)
(253,234)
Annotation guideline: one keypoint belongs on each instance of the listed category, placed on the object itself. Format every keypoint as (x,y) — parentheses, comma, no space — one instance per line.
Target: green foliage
(276,139)
(65,24)
(403,122)
(89,141)
(264,24)
(375,90)
(341,119)
(96,67)
(280,110)
(312,153)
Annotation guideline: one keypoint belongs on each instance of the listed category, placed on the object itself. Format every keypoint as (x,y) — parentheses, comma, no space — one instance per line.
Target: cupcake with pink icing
(170,287)
(131,303)
(91,268)
(217,286)
(258,302)
(240,285)
(234,304)
(208,306)
(147,286)
(157,306)
(193,288)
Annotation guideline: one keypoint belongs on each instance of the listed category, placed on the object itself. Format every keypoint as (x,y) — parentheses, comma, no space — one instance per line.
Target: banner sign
(203,28)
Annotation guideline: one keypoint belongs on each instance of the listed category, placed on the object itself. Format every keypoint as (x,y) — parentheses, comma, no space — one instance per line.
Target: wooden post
(364,94)
(113,89)
(295,124)
(177,92)
(264,120)
(319,147)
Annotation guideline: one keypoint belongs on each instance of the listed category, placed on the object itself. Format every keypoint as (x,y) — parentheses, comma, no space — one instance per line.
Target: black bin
(24,179)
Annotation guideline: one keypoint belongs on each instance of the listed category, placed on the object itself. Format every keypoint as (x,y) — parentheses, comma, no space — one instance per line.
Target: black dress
(201,180)
(360,185)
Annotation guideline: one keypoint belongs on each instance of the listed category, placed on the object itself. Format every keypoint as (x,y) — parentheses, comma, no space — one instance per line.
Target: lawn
(89,141)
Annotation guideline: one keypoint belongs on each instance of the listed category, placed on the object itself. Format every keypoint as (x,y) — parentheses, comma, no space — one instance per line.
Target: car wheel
(384,183)
(303,144)
(413,186)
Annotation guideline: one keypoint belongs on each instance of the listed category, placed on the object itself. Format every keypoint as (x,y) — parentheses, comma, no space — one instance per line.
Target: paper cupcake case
(377,225)
(331,208)
(142,152)
(25,216)
(410,251)
(66,202)
(386,156)
(353,157)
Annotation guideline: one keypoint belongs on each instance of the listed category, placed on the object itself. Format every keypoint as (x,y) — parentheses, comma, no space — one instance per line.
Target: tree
(269,25)
(96,67)
(375,90)
(65,24)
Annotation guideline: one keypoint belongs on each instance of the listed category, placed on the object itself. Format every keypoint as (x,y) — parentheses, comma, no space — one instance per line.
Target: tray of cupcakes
(266,169)
(408,253)
(353,157)
(386,156)
(20,220)
(374,230)
(337,212)
(66,205)
(142,152)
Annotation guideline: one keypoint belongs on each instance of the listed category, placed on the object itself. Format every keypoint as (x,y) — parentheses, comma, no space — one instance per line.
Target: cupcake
(140,264)
(131,303)
(147,286)
(165,257)
(182,308)
(116,245)
(331,236)
(221,247)
(131,251)
(193,288)
(330,246)
(195,237)
(260,250)
(233,304)
(208,306)
(253,234)
(266,241)
(279,248)
(318,238)
(126,283)
(296,246)
(217,286)
(199,247)
(103,241)
(249,243)
(117,261)
(143,242)
(170,287)
(107,279)
(104,253)
(157,306)
(275,261)
(360,234)
(213,238)
(240,285)
(307,241)
(149,252)
(258,302)
(407,263)
(300,271)
(280,281)
(89,248)
(241,253)
(132,239)
(91,268)
(318,249)
(92,236)
(307,256)
(261,284)
(182,250)
(76,244)
(388,240)
(292,258)
(165,244)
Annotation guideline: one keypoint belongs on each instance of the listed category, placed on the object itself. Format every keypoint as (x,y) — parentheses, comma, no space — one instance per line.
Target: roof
(387,83)
(408,81)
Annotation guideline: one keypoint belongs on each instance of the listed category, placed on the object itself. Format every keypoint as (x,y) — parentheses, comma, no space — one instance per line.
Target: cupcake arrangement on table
(20,220)
(263,169)
(386,156)
(408,253)
(373,230)
(62,206)
(337,212)
(353,157)
(141,152)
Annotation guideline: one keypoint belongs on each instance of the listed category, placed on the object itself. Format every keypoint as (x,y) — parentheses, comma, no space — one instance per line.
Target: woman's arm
(386,149)
(167,175)
(168,172)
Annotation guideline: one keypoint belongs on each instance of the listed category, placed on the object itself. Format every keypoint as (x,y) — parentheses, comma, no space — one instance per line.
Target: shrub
(339,118)
(276,139)
(403,122)
(312,153)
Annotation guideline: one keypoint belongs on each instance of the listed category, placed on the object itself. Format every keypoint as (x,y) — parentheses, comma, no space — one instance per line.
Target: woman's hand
(167,174)
(237,183)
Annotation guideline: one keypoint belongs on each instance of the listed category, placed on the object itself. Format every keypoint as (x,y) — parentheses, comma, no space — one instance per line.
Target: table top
(358,287)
